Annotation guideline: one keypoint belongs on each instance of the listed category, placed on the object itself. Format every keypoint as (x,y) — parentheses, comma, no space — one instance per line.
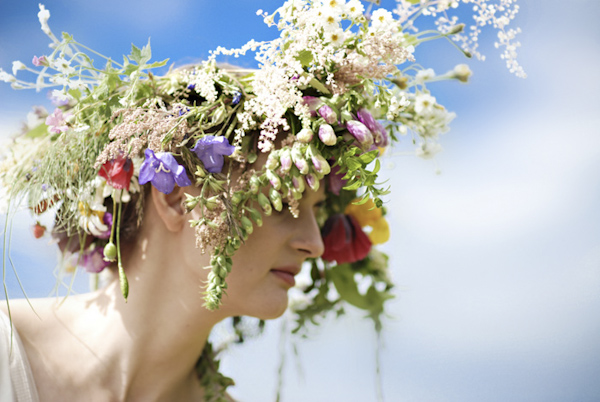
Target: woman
(98,347)
(203,192)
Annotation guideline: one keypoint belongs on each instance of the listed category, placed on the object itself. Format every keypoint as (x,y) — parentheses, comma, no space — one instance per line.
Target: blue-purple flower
(237,97)
(163,171)
(210,151)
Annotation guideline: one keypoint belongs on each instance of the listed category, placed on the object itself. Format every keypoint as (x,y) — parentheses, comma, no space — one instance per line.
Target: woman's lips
(286,274)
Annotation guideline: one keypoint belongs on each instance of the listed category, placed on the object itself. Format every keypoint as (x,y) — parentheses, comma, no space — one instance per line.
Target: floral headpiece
(333,92)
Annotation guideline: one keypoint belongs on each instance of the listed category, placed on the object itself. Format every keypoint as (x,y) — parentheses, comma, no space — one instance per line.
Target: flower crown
(337,88)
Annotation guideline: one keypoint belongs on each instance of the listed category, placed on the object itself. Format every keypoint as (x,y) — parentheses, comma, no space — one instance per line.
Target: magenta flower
(93,260)
(380,135)
(163,171)
(210,151)
(361,133)
(56,122)
(107,219)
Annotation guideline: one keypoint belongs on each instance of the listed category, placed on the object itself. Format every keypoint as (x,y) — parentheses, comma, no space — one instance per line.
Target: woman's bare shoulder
(31,316)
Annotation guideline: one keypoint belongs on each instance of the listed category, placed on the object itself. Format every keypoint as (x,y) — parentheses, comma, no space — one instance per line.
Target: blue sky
(497,259)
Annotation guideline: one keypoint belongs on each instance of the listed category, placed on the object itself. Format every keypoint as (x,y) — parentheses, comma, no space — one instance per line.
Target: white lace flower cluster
(497,13)
(329,45)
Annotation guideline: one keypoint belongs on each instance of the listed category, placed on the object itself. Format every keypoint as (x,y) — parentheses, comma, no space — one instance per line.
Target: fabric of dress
(16,379)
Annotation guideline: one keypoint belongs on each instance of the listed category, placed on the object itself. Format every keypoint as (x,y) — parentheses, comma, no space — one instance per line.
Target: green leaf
(353,186)
(130,68)
(363,200)
(146,53)
(318,85)
(67,37)
(136,54)
(377,166)
(39,131)
(157,64)
(368,157)
(343,279)
(352,164)
(305,57)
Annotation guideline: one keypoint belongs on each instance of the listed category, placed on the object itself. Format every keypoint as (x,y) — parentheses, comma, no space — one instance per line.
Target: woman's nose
(307,239)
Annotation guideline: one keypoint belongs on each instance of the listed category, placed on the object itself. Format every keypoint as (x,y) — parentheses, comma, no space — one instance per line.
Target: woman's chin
(272,307)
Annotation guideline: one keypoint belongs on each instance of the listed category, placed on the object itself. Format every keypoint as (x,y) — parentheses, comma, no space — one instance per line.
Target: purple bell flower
(163,171)
(237,97)
(380,135)
(210,150)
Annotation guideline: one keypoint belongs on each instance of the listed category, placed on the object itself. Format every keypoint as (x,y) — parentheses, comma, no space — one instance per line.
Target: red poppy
(344,240)
(118,172)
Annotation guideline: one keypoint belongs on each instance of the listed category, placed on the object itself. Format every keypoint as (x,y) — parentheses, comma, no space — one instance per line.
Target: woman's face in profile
(264,267)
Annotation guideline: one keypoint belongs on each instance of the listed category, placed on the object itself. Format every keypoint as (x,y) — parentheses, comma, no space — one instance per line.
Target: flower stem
(122,277)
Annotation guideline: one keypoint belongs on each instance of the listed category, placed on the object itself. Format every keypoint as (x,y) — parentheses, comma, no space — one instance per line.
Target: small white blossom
(336,36)
(427,150)
(424,75)
(62,65)
(462,72)
(16,66)
(382,20)
(43,16)
(355,9)
(60,96)
(424,104)
(6,77)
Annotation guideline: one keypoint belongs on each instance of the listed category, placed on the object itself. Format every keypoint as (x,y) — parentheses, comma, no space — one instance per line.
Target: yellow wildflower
(368,214)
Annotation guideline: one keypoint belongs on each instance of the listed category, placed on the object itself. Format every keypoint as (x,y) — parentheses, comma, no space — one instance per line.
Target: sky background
(496,259)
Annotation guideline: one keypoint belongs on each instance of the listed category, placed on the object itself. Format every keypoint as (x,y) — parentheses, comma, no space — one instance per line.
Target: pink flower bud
(299,161)
(274,179)
(298,183)
(313,104)
(272,162)
(39,61)
(285,160)
(380,135)
(361,133)
(327,135)
(305,135)
(328,114)
(320,164)
(312,181)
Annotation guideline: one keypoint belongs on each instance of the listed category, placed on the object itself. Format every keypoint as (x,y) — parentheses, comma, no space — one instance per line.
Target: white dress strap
(16,379)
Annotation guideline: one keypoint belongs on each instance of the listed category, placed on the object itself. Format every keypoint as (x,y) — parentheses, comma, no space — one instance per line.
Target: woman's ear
(170,208)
